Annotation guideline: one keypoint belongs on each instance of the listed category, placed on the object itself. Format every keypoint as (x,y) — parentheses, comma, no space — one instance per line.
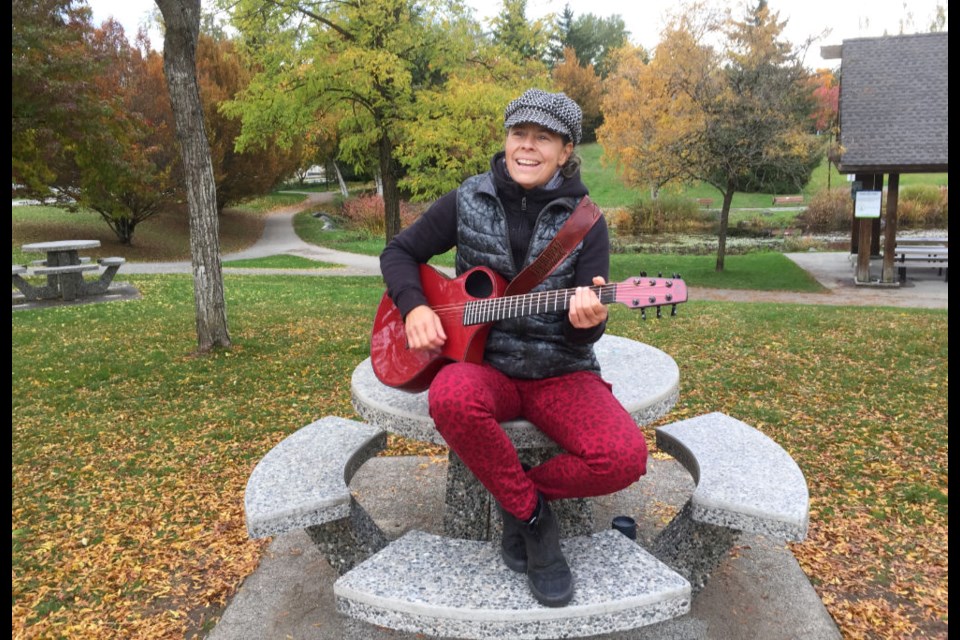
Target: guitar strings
(518,301)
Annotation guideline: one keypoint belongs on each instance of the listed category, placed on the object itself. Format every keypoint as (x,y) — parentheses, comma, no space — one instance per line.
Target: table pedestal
(472,512)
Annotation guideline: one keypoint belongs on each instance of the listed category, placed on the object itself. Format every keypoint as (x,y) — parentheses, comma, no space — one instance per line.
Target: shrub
(922,206)
(664,215)
(829,210)
(366,212)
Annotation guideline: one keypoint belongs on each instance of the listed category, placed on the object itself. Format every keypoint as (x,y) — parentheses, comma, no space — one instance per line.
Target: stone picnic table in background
(64,268)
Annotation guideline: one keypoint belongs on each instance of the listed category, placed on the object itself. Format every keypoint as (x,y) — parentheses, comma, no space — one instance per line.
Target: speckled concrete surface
(758,592)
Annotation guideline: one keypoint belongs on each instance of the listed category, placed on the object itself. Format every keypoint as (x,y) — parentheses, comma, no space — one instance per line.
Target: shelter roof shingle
(893,104)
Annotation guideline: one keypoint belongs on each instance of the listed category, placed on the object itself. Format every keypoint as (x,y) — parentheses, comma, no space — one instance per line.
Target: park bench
(787,199)
(69,268)
(446,585)
(921,257)
(922,241)
(43,263)
(705,202)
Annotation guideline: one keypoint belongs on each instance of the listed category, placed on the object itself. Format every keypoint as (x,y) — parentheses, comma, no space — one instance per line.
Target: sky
(644,19)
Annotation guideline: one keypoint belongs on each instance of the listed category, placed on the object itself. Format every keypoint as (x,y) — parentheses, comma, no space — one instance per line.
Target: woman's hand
(423,328)
(586,310)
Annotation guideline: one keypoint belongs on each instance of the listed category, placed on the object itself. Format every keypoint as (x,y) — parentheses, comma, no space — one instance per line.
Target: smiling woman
(541,367)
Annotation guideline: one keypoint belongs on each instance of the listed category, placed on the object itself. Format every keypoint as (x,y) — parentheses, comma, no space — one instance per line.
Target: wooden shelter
(893,120)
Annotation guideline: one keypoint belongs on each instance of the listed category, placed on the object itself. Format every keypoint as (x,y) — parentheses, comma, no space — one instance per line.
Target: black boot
(513,547)
(548,574)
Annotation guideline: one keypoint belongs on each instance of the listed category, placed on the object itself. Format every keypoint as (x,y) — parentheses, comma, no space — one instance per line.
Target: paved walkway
(834,270)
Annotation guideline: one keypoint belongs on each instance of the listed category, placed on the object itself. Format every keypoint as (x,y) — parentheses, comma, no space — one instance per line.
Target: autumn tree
(181,20)
(649,123)
(458,125)
(127,166)
(52,104)
(221,74)
(383,71)
(735,119)
(583,85)
(825,88)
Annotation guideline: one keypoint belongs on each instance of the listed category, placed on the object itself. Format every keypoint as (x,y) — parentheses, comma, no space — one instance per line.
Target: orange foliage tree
(583,85)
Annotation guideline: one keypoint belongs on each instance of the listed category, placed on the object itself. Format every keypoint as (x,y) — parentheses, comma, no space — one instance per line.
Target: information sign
(867,204)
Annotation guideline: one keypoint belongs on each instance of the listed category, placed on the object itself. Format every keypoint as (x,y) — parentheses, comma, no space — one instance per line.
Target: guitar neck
(494,309)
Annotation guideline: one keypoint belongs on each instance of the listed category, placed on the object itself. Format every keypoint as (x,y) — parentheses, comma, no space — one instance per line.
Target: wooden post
(865,228)
(888,271)
(863,254)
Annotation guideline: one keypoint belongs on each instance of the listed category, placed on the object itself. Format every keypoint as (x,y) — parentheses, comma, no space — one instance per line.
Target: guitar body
(412,370)
(469,305)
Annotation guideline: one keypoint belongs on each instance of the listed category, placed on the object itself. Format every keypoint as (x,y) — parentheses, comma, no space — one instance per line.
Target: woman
(538,367)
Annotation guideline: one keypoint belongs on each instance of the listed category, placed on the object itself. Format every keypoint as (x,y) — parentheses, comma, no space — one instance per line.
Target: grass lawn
(130,454)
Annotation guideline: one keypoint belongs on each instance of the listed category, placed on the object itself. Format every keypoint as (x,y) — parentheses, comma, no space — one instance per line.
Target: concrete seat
(745,480)
(304,479)
(69,268)
(745,483)
(43,262)
(111,261)
(302,483)
(18,269)
(459,588)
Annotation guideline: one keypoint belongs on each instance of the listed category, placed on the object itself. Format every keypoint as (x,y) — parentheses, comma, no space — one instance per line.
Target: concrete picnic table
(64,270)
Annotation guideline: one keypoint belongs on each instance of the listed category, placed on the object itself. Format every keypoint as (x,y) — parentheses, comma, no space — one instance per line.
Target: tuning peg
(673,310)
(659,274)
(676,276)
(643,313)
(643,274)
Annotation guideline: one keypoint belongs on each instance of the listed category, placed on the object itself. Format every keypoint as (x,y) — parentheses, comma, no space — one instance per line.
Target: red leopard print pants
(603,449)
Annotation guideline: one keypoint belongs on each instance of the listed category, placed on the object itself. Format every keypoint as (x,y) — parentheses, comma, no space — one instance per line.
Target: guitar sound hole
(479,285)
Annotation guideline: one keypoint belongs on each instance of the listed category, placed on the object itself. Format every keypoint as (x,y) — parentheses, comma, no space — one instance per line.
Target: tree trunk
(724,221)
(391,192)
(181,29)
(341,182)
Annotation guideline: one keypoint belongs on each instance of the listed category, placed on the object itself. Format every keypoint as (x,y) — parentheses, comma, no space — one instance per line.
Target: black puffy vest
(530,346)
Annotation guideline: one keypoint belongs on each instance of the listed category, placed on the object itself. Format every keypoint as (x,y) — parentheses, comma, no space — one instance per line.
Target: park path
(831,269)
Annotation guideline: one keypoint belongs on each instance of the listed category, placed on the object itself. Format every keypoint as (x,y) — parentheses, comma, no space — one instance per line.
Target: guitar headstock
(642,292)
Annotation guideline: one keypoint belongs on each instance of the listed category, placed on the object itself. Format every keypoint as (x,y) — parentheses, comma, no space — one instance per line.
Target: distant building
(315,174)
(893,120)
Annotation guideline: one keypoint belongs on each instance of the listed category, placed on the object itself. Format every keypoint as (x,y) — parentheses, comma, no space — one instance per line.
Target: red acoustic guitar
(469,305)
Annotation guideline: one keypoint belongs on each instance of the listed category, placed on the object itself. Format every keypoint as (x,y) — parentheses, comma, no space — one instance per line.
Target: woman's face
(534,154)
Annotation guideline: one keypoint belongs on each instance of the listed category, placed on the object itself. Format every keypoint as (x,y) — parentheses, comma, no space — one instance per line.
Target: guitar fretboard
(528,304)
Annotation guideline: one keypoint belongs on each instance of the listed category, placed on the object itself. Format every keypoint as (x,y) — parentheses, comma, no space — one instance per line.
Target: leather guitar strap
(571,233)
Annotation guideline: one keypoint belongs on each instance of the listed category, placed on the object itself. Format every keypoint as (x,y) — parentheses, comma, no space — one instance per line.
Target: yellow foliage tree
(736,119)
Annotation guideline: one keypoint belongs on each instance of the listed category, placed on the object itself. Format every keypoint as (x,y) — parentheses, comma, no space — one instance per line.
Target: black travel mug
(626,525)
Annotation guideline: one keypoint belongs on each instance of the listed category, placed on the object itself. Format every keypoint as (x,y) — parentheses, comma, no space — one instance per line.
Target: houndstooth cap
(555,111)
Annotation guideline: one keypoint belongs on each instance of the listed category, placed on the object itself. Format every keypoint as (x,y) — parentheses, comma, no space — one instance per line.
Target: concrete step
(450,587)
